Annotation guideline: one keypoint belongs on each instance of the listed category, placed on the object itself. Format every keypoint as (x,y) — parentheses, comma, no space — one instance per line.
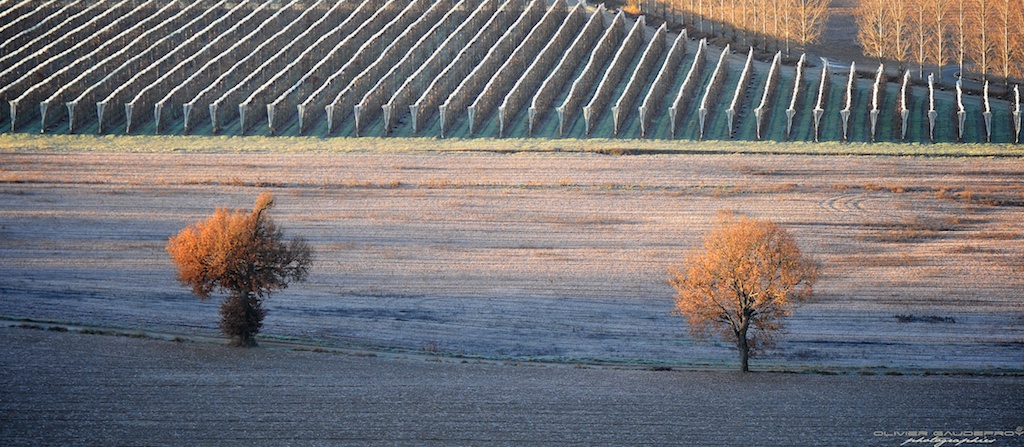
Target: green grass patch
(27,143)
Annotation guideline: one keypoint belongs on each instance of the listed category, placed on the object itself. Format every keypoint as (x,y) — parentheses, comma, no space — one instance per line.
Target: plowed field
(60,389)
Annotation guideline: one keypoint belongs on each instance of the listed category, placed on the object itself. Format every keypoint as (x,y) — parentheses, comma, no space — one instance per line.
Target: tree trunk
(253,321)
(241,318)
(244,341)
(744,348)
(246,337)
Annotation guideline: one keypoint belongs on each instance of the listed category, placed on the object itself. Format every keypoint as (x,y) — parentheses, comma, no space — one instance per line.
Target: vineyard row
(443,68)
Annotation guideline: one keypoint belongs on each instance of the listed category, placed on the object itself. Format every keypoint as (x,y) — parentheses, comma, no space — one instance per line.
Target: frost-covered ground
(75,389)
(524,256)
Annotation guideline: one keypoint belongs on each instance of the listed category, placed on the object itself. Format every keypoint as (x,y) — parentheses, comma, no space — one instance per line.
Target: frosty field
(65,388)
(538,255)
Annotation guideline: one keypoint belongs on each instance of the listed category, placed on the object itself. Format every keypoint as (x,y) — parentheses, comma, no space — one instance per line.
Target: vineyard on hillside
(444,68)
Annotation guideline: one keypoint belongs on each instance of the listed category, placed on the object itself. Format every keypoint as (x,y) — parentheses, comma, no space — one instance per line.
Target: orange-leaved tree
(241,253)
(742,282)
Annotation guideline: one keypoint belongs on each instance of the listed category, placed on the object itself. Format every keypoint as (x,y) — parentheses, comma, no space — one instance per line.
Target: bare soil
(553,257)
(75,389)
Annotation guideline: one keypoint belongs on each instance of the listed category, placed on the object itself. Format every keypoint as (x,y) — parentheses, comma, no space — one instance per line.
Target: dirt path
(67,388)
(551,257)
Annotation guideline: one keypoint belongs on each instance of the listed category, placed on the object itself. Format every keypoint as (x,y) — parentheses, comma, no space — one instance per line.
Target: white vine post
(961,114)
(874,99)
(932,114)
(512,92)
(741,87)
(638,78)
(769,87)
(14,113)
(606,45)
(554,52)
(623,55)
(24,71)
(716,77)
(578,51)
(845,113)
(1016,114)
(98,44)
(791,111)
(217,65)
(169,67)
(659,88)
(689,83)
(819,109)
(904,109)
(988,116)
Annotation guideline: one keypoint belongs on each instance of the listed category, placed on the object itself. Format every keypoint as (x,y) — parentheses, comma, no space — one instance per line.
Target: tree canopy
(243,254)
(742,283)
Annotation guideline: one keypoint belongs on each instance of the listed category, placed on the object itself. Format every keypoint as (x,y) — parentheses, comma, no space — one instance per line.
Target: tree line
(983,39)
(784,25)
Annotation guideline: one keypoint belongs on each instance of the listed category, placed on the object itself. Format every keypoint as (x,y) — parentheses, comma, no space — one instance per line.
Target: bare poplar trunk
(939,32)
(961,33)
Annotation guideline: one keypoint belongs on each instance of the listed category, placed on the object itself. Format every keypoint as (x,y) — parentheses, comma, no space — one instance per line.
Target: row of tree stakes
(445,61)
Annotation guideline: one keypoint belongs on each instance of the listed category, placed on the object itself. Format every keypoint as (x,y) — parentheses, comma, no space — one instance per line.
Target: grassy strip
(258,144)
(426,354)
